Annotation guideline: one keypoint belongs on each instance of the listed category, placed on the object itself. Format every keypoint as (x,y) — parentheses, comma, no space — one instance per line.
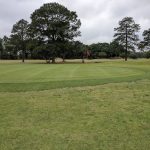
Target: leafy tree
(1,48)
(147,54)
(97,48)
(6,47)
(133,55)
(126,34)
(80,50)
(73,49)
(85,53)
(9,51)
(5,41)
(20,35)
(146,42)
(64,48)
(54,24)
(15,44)
(115,49)
(102,55)
(31,46)
(141,46)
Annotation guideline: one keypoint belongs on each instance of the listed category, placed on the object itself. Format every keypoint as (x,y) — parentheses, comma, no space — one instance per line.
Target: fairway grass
(92,106)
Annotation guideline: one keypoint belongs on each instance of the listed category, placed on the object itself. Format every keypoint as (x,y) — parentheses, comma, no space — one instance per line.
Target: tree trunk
(63,58)
(83,59)
(126,52)
(23,56)
(0,55)
(48,61)
(53,60)
(23,50)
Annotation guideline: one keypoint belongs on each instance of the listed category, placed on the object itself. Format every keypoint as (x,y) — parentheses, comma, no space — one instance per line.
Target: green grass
(32,77)
(69,106)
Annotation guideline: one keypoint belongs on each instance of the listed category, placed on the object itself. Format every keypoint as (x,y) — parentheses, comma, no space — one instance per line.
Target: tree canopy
(53,23)
(146,42)
(19,35)
(126,34)
(52,33)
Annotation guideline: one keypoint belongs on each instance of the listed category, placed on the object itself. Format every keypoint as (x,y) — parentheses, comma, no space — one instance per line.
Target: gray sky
(98,17)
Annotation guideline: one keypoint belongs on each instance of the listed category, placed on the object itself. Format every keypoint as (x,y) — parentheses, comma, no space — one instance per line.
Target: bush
(140,54)
(133,55)
(147,54)
(102,55)
(122,55)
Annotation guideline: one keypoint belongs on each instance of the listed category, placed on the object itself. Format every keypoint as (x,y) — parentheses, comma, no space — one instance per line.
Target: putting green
(26,77)
(44,73)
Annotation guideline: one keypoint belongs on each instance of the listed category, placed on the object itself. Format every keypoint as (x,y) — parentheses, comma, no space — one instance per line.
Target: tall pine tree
(126,34)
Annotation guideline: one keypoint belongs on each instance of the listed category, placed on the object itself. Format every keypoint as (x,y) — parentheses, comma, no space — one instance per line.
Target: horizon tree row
(52,31)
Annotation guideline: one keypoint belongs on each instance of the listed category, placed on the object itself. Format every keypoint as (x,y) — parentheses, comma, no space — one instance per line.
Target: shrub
(102,55)
(133,55)
(147,54)
(122,55)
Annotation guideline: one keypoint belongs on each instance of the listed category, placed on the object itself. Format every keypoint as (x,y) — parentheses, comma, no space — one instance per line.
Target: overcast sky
(98,17)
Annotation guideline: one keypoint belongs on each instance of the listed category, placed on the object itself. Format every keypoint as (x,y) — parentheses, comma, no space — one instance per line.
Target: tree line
(52,31)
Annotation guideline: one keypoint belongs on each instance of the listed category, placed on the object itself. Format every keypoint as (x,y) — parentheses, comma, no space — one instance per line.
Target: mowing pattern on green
(28,77)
